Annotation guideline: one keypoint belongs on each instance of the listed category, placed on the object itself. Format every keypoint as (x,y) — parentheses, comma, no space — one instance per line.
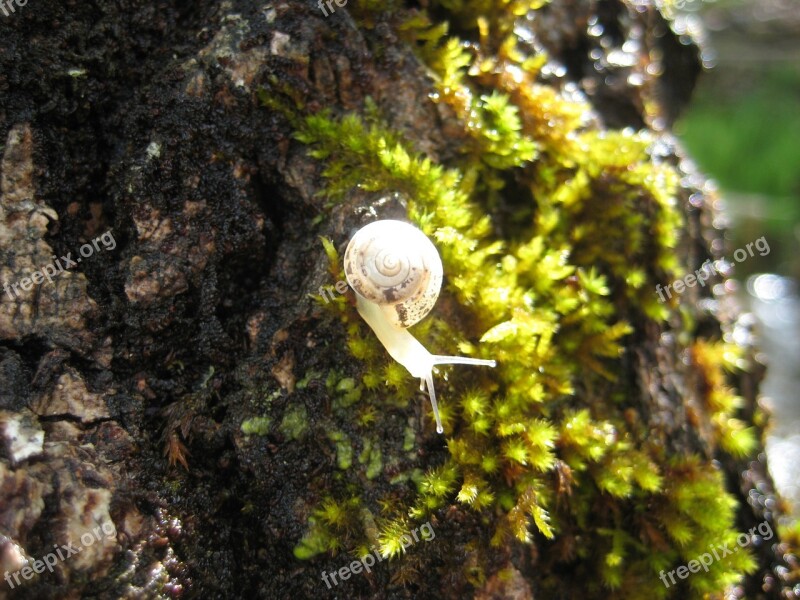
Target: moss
(722,403)
(294,423)
(307,378)
(541,446)
(372,458)
(332,526)
(256,426)
(314,542)
(344,449)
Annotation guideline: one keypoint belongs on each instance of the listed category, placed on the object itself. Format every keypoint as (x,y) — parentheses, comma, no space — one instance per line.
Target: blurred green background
(743,126)
(743,129)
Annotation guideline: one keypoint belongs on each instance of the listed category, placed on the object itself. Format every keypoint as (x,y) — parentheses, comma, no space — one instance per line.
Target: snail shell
(394,265)
(396,273)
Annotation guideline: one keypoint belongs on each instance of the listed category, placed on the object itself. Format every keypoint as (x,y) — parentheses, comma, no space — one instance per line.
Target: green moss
(316,541)
(372,458)
(306,379)
(344,449)
(295,422)
(332,526)
(541,446)
(721,401)
(256,426)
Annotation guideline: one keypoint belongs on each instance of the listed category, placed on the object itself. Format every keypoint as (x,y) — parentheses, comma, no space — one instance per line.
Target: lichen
(543,445)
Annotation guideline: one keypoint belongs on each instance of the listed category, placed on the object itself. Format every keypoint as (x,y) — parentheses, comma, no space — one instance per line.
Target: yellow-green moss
(294,423)
(344,449)
(256,426)
(541,445)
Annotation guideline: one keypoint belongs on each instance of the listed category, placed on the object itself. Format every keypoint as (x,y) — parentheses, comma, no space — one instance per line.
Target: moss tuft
(541,446)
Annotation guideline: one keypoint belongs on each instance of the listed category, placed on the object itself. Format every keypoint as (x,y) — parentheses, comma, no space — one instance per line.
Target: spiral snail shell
(394,265)
(396,274)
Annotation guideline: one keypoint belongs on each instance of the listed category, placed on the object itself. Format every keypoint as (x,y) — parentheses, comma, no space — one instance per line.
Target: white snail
(396,274)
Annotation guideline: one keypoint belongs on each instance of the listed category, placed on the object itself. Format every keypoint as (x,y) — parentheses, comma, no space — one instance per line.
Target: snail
(396,273)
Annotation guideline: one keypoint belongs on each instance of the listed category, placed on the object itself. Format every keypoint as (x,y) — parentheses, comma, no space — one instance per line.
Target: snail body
(396,274)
